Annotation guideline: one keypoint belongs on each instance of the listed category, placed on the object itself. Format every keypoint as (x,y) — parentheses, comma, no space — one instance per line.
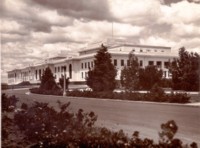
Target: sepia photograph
(100,73)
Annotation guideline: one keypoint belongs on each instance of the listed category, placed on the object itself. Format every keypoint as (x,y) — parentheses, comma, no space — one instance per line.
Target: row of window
(38,73)
(87,65)
(147,50)
(122,62)
(64,68)
(22,74)
(158,63)
(84,75)
(60,69)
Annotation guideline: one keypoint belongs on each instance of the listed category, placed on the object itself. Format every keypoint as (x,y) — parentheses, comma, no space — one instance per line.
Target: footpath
(194,104)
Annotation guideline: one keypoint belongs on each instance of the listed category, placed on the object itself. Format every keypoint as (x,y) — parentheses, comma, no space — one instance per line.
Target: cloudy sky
(31,30)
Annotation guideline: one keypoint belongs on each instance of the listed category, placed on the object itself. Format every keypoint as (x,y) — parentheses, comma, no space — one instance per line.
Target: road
(130,116)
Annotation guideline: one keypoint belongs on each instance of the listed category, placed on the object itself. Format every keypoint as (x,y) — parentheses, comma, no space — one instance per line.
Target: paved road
(131,116)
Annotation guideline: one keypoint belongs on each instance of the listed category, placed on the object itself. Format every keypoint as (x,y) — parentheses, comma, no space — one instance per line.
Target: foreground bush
(8,103)
(43,126)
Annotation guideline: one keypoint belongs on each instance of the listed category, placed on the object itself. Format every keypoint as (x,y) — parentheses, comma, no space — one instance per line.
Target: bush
(4,86)
(156,95)
(43,126)
(178,97)
(57,92)
(8,103)
(24,83)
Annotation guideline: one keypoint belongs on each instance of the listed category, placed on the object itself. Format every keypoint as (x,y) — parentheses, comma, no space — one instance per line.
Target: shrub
(178,97)
(41,123)
(4,86)
(8,103)
(24,83)
(156,95)
(57,92)
(43,126)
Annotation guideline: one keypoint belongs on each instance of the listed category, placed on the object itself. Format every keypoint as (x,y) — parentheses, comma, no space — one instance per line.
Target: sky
(32,30)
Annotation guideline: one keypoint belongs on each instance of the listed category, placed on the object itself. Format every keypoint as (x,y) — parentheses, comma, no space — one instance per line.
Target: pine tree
(129,75)
(185,71)
(48,80)
(102,77)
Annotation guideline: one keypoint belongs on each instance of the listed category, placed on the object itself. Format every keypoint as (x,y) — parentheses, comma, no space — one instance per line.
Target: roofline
(130,45)
(146,46)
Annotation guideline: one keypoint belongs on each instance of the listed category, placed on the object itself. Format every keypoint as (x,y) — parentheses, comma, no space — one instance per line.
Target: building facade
(76,64)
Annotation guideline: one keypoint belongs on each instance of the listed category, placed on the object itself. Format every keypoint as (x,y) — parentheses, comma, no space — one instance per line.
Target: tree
(185,71)
(102,76)
(61,81)
(149,76)
(129,75)
(48,80)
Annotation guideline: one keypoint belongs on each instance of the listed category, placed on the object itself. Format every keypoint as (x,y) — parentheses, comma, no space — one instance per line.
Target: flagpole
(112,30)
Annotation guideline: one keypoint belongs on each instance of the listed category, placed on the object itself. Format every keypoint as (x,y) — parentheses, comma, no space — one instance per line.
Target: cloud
(169,2)
(31,30)
(181,12)
(157,41)
(187,31)
(90,9)
(32,18)
(137,12)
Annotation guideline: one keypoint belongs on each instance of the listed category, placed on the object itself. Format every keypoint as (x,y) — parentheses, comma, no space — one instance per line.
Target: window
(82,65)
(88,64)
(151,62)
(58,69)
(166,64)
(70,71)
(141,63)
(40,74)
(133,50)
(169,74)
(141,50)
(55,69)
(122,62)
(165,74)
(64,68)
(128,62)
(82,75)
(85,65)
(115,62)
(159,64)
(91,64)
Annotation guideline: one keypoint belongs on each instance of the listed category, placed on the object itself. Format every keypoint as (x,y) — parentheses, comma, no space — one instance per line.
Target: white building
(77,64)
